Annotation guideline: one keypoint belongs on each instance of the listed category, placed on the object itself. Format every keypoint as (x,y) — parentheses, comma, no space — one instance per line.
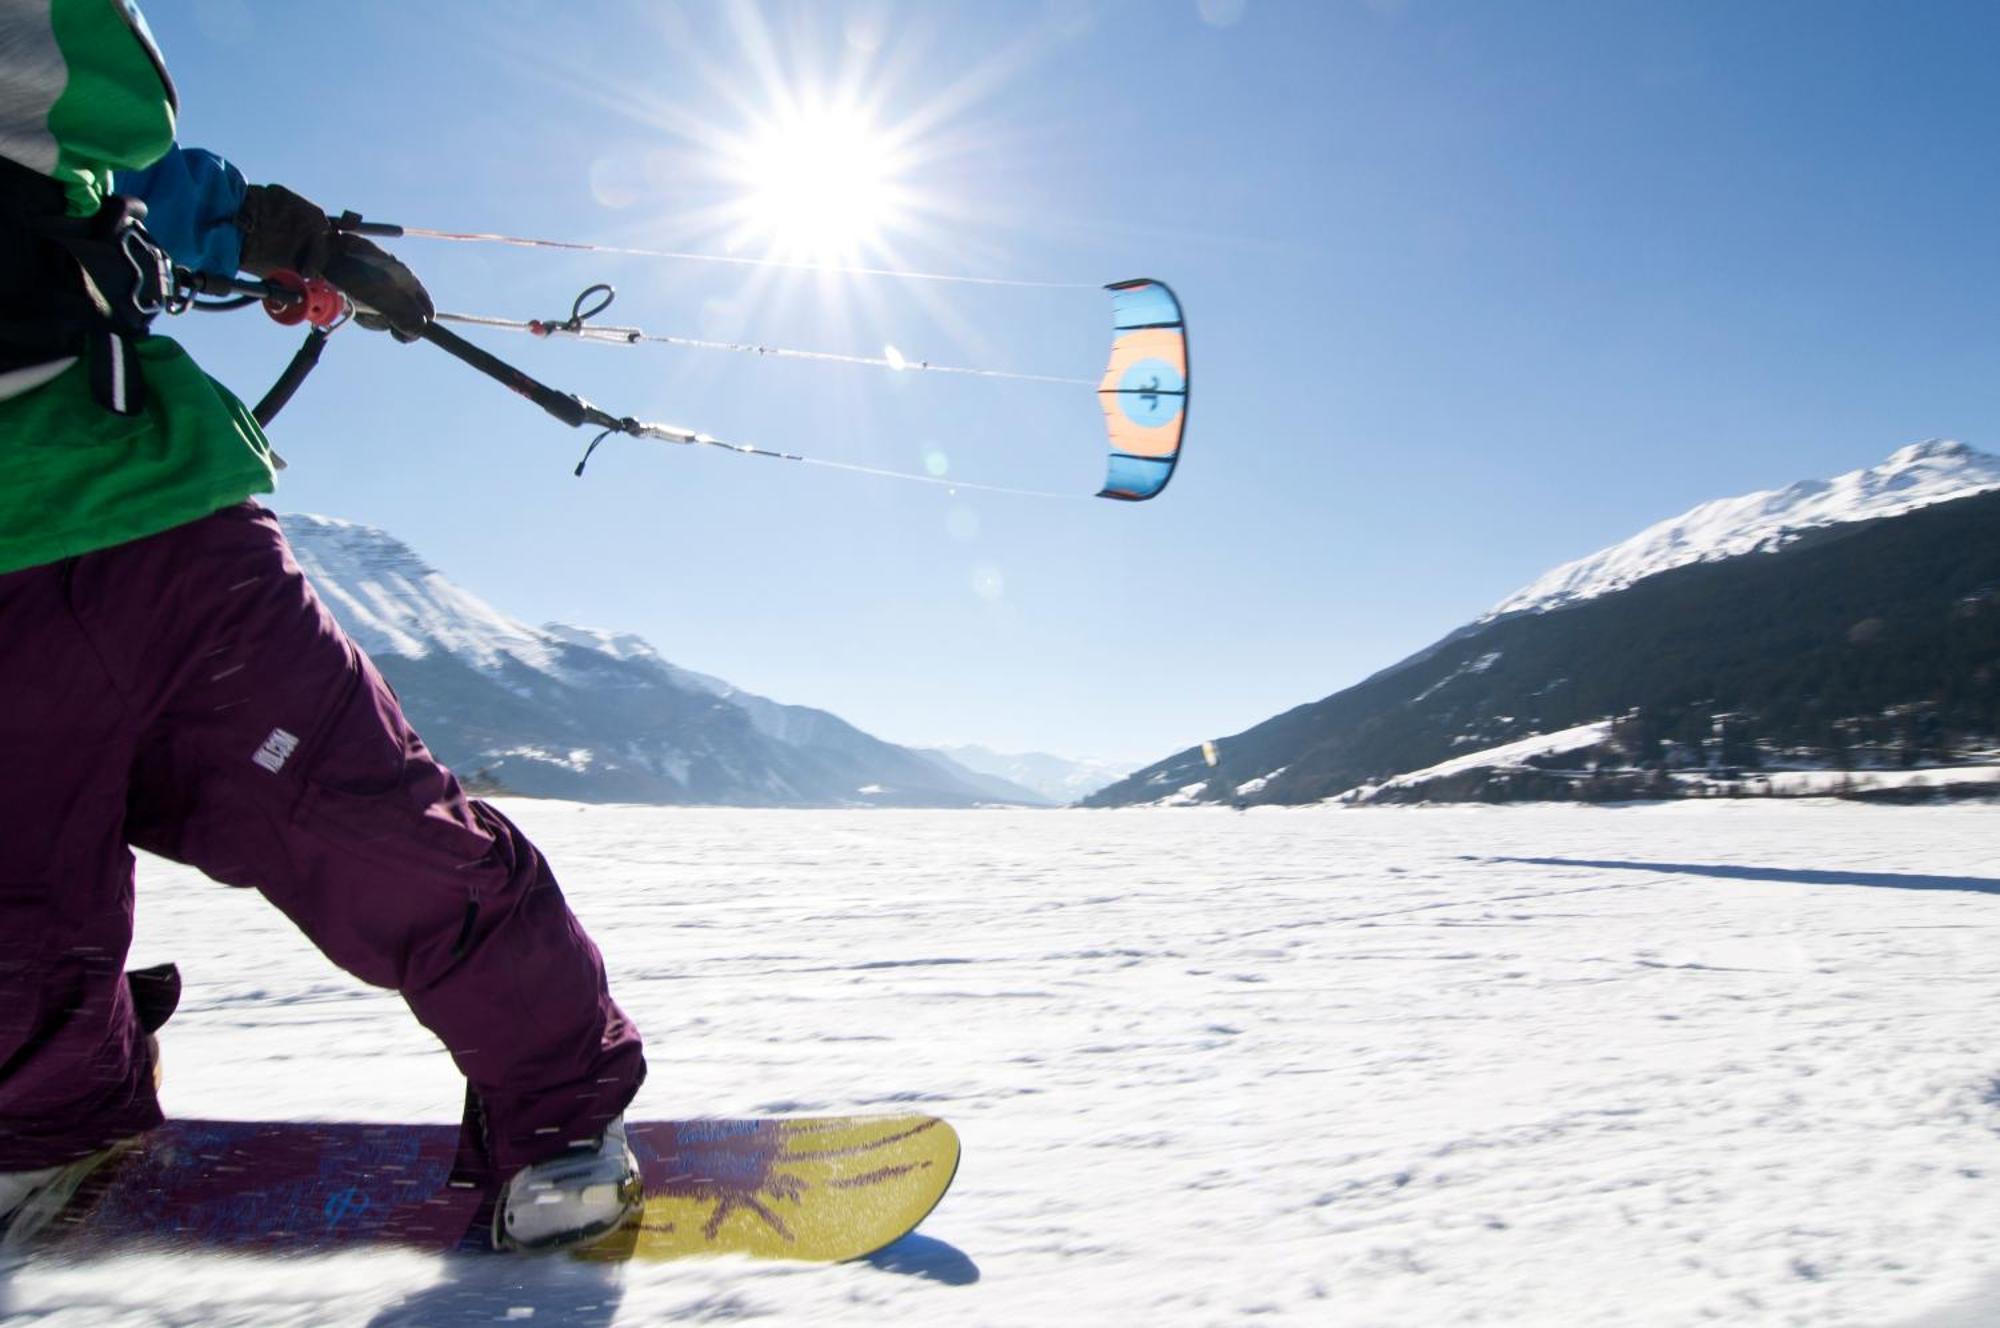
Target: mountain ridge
(1060,779)
(1914,476)
(574,712)
(1864,640)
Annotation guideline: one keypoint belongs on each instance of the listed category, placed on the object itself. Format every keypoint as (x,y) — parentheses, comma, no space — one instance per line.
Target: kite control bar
(291,300)
(565,406)
(571,409)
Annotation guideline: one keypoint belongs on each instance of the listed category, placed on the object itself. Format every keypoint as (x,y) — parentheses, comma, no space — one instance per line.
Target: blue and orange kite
(1144,391)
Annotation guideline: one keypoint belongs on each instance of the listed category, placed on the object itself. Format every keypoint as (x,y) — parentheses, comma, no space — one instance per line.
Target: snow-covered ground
(1688,1063)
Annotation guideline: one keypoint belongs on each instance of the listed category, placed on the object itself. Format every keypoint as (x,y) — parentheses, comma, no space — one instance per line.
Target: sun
(819,184)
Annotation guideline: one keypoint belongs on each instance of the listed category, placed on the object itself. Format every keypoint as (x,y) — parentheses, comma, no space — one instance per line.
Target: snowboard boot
(30,1200)
(571,1200)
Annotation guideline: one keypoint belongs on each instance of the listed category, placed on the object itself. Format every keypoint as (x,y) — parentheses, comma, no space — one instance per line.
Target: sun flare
(819,185)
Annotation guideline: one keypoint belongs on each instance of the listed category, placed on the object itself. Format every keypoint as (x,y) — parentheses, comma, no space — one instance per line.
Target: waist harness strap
(86,286)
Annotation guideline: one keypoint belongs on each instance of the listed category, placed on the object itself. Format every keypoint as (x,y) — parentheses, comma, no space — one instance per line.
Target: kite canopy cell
(1144,390)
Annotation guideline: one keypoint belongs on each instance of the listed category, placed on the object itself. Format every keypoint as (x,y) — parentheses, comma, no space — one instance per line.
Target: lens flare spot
(988,582)
(936,463)
(865,30)
(616,183)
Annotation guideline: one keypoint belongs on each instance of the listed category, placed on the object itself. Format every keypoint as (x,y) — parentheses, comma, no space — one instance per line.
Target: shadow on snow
(485,1289)
(928,1258)
(1786,875)
(482,1289)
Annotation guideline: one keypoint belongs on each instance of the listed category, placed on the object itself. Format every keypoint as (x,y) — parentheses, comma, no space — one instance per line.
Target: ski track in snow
(1692,1063)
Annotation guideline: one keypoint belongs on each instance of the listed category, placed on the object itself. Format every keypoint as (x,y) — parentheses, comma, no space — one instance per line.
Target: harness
(84,287)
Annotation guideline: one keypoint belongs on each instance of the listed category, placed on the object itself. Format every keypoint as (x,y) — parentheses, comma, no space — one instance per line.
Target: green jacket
(86,95)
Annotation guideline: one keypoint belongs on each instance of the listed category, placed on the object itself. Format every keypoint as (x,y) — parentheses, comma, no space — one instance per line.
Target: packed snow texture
(1675,1064)
(1914,476)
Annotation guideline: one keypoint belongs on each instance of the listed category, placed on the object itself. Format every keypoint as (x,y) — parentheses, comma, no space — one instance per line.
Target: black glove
(380,285)
(284,231)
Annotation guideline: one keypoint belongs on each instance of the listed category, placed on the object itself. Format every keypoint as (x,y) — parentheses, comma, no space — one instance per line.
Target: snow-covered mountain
(1850,624)
(393,603)
(1914,476)
(597,716)
(1057,778)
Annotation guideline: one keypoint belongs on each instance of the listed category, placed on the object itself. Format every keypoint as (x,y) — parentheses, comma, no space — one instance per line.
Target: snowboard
(827,1189)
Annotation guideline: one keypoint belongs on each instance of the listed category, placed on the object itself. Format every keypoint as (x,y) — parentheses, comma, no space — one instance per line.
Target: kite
(1144,390)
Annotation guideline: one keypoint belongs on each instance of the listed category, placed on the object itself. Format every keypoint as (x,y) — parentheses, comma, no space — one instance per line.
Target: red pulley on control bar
(313,300)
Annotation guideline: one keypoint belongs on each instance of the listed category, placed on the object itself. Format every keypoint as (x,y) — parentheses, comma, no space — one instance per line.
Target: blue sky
(1472,290)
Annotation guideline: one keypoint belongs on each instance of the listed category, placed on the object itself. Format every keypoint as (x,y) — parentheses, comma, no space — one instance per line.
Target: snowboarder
(169,681)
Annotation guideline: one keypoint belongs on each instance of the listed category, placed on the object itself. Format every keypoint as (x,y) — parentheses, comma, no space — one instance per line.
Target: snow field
(1689,1063)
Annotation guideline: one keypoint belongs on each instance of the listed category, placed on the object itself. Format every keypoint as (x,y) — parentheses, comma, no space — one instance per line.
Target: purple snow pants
(187,694)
